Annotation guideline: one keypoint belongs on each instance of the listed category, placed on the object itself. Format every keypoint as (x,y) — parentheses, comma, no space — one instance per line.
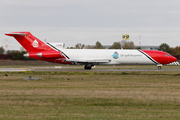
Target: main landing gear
(88,66)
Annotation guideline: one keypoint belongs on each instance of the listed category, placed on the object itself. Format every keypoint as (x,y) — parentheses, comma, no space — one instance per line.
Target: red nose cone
(173,59)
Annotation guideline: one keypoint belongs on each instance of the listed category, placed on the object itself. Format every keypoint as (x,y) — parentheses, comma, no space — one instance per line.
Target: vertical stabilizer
(29,42)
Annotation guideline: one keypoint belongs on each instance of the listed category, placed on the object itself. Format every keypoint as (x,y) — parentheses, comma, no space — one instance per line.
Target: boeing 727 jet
(89,57)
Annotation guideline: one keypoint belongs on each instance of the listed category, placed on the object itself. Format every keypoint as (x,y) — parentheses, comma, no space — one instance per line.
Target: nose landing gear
(159,67)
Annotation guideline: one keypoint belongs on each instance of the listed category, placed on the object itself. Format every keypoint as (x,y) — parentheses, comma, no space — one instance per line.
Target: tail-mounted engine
(45,54)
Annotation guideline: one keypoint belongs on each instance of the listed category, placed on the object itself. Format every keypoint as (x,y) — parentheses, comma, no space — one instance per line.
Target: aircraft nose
(173,59)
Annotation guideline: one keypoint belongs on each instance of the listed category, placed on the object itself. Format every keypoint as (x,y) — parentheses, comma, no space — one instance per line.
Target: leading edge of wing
(89,61)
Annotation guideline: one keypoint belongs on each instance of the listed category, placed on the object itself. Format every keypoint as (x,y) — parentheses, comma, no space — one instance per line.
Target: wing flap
(88,61)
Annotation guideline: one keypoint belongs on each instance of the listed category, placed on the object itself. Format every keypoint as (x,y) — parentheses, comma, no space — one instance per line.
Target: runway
(81,70)
(12,69)
(106,70)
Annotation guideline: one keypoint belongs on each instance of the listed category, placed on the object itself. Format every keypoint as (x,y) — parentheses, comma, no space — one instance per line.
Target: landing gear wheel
(87,67)
(159,67)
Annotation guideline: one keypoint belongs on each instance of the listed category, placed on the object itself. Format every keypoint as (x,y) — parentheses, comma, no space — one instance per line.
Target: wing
(93,61)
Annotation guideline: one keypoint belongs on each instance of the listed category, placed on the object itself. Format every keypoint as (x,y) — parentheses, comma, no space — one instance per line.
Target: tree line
(14,54)
(98,45)
(175,51)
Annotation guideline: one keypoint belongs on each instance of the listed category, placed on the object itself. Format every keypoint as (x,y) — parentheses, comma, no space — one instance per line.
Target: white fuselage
(120,57)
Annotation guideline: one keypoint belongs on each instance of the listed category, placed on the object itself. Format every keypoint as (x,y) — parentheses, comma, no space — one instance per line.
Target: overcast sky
(88,21)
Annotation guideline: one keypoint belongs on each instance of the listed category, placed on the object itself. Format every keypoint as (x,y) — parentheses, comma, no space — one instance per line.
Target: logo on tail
(35,44)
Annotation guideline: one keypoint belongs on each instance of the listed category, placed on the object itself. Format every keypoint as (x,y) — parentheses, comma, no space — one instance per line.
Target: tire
(159,67)
(86,67)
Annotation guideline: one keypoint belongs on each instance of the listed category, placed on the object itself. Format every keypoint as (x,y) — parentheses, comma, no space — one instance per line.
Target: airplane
(89,57)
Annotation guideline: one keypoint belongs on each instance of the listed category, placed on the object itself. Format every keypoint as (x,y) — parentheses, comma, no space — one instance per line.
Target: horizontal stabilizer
(16,34)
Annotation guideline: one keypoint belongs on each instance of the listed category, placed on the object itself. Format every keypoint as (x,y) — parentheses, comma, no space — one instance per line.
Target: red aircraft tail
(29,42)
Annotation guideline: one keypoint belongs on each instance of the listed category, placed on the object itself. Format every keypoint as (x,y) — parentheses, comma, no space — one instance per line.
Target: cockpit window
(167,55)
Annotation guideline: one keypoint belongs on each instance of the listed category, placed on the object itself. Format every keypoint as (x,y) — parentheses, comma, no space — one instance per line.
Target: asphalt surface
(12,69)
(59,69)
(106,70)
